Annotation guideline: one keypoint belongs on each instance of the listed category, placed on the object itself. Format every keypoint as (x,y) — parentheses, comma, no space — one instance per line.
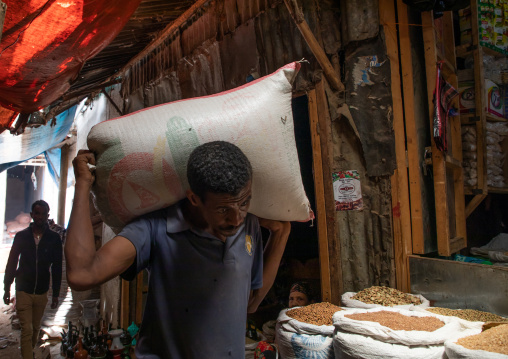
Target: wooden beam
(400,188)
(62,185)
(315,47)
(325,130)
(124,307)
(112,102)
(414,153)
(324,254)
(139,297)
(438,161)
(471,206)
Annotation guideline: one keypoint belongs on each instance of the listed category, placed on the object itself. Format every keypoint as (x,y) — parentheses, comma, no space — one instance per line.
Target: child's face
(297,299)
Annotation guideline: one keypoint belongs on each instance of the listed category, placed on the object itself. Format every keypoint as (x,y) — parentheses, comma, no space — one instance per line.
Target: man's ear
(193,198)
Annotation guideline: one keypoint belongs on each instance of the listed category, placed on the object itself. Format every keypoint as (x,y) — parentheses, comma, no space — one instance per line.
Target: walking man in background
(35,251)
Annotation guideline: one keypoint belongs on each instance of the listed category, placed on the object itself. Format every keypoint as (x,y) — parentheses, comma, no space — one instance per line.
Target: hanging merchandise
(445,93)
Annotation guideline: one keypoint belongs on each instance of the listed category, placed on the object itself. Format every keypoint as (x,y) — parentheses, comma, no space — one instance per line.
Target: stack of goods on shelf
(494,101)
(496,132)
(492,24)
(469,155)
(396,333)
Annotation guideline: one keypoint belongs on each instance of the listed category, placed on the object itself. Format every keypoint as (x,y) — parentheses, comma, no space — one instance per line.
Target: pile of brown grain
(397,321)
(385,296)
(492,340)
(317,314)
(468,314)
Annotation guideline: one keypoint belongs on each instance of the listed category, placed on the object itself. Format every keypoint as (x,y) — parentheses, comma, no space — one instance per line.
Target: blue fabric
(17,149)
(53,158)
(199,286)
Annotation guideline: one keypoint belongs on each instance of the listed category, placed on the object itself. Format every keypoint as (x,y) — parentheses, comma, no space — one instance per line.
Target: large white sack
(142,157)
(347,301)
(454,328)
(353,346)
(299,340)
(455,351)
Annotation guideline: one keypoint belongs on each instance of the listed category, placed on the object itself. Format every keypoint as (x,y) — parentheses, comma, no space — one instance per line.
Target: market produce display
(385,296)
(493,340)
(468,314)
(397,321)
(396,333)
(301,336)
(317,314)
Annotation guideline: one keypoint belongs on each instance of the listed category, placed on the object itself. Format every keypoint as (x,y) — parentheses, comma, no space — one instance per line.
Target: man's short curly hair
(40,203)
(218,167)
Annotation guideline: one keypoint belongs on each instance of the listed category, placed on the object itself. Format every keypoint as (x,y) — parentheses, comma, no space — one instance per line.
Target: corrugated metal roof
(151,17)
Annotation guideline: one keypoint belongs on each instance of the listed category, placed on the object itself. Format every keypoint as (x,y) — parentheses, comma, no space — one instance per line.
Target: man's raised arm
(272,255)
(86,267)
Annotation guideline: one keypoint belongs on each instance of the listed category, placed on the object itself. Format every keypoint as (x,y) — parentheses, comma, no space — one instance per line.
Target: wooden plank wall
(399,180)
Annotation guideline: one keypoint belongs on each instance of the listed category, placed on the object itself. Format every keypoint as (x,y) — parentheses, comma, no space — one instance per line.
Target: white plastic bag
(298,340)
(142,157)
(348,302)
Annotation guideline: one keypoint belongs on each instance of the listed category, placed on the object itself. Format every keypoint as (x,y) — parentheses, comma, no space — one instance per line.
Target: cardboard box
(494,101)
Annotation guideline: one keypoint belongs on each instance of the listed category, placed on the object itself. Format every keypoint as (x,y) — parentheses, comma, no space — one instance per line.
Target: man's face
(39,215)
(225,213)
(297,299)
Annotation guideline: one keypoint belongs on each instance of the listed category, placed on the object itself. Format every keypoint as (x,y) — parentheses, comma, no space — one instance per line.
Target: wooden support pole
(139,297)
(400,186)
(324,253)
(471,206)
(62,185)
(325,138)
(315,47)
(124,305)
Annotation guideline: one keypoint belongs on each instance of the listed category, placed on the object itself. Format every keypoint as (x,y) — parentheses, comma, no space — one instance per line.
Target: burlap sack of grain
(347,301)
(297,339)
(369,340)
(142,157)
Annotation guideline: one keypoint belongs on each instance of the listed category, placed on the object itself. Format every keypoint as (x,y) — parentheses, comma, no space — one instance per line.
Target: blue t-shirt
(199,286)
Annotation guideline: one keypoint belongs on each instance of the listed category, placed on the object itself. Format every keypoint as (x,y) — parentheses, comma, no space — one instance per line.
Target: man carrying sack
(205,255)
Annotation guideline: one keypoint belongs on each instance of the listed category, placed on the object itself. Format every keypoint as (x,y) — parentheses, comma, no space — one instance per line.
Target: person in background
(300,295)
(205,254)
(35,252)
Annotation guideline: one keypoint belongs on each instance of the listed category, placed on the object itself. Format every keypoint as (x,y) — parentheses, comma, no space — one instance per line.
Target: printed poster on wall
(347,190)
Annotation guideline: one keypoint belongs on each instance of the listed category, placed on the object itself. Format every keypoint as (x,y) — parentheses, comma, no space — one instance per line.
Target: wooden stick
(324,253)
(62,186)
(124,309)
(314,46)
(325,139)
